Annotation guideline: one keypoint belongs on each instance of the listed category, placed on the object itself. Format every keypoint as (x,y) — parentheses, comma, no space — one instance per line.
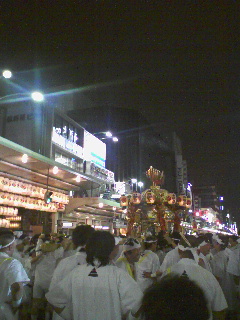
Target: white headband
(193,250)
(7,245)
(202,244)
(150,241)
(134,245)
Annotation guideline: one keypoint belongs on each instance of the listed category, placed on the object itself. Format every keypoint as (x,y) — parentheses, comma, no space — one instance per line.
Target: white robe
(206,262)
(63,269)
(44,271)
(205,280)
(170,259)
(148,262)
(226,281)
(107,295)
(11,271)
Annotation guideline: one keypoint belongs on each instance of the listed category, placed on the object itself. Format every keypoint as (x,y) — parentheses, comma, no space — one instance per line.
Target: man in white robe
(12,277)
(170,259)
(129,257)
(97,290)
(204,248)
(79,237)
(148,264)
(187,267)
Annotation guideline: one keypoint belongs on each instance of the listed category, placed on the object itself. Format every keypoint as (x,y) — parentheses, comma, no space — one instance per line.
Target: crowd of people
(94,275)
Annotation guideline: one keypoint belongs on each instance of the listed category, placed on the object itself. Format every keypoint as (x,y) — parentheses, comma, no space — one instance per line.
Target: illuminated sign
(66,144)
(94,149)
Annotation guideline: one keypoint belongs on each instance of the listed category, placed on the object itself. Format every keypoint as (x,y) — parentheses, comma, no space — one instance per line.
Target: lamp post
(140,184)
(35,96)
(134,181)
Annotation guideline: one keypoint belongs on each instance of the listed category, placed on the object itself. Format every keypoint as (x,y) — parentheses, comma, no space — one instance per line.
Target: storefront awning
(95,206)
(39,169)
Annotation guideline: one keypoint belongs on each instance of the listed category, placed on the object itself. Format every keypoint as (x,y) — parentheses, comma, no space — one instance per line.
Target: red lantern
(150,197)
(124,201)
(136,198)
(182,200)
(171,198)
(189,203)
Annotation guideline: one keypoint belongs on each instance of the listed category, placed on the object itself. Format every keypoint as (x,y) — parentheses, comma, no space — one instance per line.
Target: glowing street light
(35,96)
(115,139)
(7,74)
(108,134)
(140,184)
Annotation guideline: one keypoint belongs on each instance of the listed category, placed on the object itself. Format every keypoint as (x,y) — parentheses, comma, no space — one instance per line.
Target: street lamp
(134,181)
(140,184)
(107,134)
(7,74)
(35,96)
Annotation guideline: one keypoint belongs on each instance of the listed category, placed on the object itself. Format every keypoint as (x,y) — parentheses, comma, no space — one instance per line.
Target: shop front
(26,178)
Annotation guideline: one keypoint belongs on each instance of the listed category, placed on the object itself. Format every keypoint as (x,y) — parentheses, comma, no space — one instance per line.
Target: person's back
(205,279)
(97,290)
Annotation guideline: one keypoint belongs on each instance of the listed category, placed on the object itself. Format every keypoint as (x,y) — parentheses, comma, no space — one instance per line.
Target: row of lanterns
(27,189)
(150,198)
(26,202)
(8,211)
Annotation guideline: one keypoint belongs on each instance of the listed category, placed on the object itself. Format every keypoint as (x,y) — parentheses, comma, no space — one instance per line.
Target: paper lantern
(188,203)
(124,201)
(182,200)
(136,198)
(150,197)
(171,198)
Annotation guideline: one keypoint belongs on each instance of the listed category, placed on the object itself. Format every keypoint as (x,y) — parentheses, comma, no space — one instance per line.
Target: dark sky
(177,63)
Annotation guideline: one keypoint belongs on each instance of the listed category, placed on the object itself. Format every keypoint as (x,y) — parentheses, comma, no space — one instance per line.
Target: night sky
(177,63)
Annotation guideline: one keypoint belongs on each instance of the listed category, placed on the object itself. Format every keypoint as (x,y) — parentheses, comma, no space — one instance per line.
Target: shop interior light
(25,158)
(78,178)
(55,170)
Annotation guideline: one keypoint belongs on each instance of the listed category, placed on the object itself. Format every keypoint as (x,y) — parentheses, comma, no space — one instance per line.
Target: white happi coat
(65,266)
(233,266)
(170,259)
(226,281)
(123,264)
(205,280)
(206,262)
(91,293)
(11,271)
(63,269)
(45,268)
(148,262)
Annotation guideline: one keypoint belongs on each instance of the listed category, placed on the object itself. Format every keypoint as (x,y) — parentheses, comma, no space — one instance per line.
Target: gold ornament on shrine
(156,176)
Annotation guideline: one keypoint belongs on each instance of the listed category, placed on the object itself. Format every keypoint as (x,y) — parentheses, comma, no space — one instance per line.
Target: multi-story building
(139,144)
(54,141)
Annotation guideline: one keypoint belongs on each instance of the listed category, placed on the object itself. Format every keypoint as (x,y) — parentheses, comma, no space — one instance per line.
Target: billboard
(94,149)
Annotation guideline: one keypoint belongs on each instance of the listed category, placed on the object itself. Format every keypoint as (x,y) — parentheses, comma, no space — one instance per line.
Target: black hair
(99,246)
(233,237)
(175,298)
(148,245)
(6,236)
(81,234)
